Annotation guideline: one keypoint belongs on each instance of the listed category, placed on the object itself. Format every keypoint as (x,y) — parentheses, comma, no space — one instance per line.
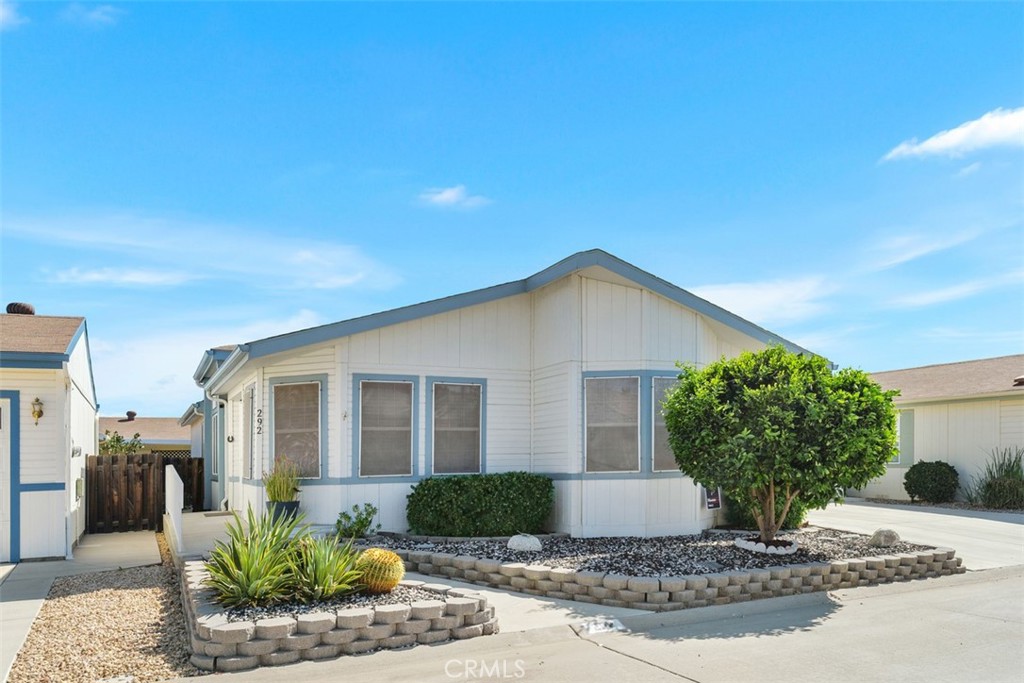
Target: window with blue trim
(297,426)
(457,428)
(385,428)
(662,457)
(612,406)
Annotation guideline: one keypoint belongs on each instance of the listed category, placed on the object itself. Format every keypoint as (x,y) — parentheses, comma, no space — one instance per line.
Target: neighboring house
(162,435)
(47,428)
(561,373)
(955,412)
(204,420)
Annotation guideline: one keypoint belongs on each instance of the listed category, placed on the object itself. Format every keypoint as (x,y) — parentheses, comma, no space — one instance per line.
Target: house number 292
(259,420)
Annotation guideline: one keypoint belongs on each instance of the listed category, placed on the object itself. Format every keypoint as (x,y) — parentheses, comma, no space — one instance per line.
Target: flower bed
(717,572)
(225,640)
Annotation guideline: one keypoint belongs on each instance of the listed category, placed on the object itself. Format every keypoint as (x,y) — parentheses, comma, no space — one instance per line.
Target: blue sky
(186,175)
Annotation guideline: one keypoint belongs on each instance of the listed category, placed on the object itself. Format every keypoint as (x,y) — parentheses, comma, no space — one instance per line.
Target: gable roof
(44,334)
(151,430)
(575,263)
(966,379)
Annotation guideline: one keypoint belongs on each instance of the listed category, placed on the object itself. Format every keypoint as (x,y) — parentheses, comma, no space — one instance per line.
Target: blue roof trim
(32,361)
(567,266)
(210,356)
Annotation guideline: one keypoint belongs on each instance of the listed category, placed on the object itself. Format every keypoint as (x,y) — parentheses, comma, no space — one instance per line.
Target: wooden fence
(124,493)
(191,472)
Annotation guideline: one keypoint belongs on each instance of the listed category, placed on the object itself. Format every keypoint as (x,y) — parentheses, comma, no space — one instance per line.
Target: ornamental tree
(774,426)
(115,444)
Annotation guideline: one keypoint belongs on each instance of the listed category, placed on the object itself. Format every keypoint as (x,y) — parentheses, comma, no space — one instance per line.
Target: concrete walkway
(984,539)
(25,588)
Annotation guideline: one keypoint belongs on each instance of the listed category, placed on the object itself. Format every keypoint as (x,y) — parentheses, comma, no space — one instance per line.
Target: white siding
(42,445)
(83,429)
(1011,423)
(670,331)
(43,526)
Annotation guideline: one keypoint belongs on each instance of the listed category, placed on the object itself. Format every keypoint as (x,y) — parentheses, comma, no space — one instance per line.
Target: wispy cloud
(969,169)
(122,277)
(774,301)
(897,249)
(217,251)
(963,290)
(997,128)
(96,16)
(974,335)
(456,197)
(9,16)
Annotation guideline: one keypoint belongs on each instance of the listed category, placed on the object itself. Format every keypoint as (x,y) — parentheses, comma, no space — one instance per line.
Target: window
(297,426)
(663,458)
(248,428)
(904,439)
(215,440)
(386,428)
(612,424)
(457,418)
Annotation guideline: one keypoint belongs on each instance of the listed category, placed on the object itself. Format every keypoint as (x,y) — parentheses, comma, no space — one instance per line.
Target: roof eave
(235,361)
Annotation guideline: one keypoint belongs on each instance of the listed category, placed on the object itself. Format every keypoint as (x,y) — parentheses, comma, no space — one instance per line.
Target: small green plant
(1000,485)
(115,444)
(501,504)
(282,485)
(253,568)
(934,482)
(358,523)
(321,569)
(381,570)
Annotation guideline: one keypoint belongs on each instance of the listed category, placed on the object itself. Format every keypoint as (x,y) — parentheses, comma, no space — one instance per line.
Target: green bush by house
(934,482)
(501,504)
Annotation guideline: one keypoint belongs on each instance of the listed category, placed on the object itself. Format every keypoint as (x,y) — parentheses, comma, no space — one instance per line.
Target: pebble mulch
(104,625)
(401,595)
(709,552)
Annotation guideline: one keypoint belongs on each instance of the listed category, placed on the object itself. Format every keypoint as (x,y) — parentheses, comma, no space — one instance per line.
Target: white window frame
(215,434)
(319,424)
(412,426)
(639,413)
(249,416)
(479,428)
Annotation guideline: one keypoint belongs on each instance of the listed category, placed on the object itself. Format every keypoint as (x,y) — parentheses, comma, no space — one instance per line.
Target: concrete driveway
(984,539)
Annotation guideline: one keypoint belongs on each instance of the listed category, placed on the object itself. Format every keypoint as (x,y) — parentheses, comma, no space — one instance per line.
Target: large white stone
(883,538)
(524,542)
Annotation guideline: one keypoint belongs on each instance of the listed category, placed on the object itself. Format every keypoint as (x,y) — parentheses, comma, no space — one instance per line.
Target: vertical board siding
(1011,423)
(612,322)
(42,524)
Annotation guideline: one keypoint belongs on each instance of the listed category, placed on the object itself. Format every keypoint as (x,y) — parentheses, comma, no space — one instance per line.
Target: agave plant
(254,568)
(322,569)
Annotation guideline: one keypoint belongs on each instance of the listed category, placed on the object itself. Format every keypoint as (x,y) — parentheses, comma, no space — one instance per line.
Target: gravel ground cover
(709,552)
(948,506)
(108,624)
(401,595)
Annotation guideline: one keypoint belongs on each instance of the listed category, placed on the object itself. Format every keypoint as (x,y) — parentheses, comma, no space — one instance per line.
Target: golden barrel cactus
(382,570)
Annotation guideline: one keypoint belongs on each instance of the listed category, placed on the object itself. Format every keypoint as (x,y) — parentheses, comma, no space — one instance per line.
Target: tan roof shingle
(37,333)
(150,429)
(966,379)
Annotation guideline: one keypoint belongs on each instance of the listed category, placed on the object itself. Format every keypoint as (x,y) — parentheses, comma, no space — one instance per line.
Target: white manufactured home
(954,412)
(47,429)
(560,373)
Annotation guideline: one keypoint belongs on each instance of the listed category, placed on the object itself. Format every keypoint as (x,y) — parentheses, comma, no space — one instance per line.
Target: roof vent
(20,308)
(1018,381)
(131,416)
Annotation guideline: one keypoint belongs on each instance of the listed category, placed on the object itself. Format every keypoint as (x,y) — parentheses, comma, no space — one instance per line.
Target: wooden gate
(191,472)
(124,493)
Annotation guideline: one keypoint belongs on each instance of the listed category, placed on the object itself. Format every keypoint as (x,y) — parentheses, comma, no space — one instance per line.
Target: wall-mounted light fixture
(37,409)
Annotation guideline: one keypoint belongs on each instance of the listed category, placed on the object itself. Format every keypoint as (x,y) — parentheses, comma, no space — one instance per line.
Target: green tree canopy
(115,444)
(774,426)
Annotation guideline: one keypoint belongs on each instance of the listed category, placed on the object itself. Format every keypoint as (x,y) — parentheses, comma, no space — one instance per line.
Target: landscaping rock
(524,543)
(884,538)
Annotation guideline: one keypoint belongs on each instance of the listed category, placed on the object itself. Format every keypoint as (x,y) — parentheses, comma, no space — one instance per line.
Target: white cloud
(9,16)
(96,16)
(125,370)
(218,251)
(1000,127)
(122,276)
(898,249)
(453,197)
(963,290)
(969,169)
(774,301)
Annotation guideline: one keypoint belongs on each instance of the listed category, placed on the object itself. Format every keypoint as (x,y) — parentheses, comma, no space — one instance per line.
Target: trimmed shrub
(501,504)
(934,482)
(358,524)
(1001,484)
(739,517)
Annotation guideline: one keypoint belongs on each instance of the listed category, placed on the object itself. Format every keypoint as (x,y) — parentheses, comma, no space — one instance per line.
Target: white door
(5,480)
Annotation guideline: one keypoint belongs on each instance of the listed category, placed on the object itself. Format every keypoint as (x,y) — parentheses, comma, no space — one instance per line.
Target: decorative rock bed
(666,593)
(221,644)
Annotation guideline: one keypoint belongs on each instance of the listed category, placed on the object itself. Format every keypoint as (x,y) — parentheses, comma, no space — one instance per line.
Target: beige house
(158,434)
(954,412)
(47,428)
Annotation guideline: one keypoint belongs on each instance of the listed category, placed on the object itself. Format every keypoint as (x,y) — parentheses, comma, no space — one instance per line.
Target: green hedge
(934,482)
(500,504)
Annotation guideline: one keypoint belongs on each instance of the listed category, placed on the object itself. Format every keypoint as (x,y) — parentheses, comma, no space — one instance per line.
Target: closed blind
(456,428)
(663,456)
(297,426)
(613,429)
(385,415)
